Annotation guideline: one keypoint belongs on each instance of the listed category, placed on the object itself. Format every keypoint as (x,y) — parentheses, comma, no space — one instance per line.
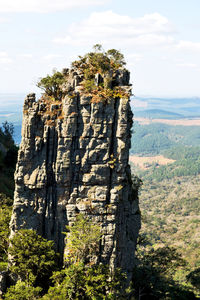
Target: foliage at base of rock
(79,281)
(22,291)
(5,214)
(33,257)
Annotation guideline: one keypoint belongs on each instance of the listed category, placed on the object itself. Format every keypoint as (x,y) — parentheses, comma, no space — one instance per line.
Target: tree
(82,240)
(7,134)
(22,291)
(153,275)
(51,85)
(79,281)
(194,278)
(5,214)
(33,258)
(99,69)
(8,129)
(10,158)
(82,278)
(98,48)
(116,57)
(99,61)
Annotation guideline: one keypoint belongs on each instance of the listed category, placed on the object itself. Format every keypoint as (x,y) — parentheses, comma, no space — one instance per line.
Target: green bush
(33,257)
(51,85)
(5,214)
(79,281)
(22,291)
(106,64)
(82,240)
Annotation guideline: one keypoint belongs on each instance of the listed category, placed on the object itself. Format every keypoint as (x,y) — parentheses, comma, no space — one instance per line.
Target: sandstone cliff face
(73,159)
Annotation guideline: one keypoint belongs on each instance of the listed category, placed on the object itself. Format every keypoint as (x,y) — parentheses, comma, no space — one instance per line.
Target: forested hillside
(153,138)
(169,194)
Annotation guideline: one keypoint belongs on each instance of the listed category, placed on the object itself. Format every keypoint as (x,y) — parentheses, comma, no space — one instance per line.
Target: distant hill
(154,138)
(158,114)
(187,107)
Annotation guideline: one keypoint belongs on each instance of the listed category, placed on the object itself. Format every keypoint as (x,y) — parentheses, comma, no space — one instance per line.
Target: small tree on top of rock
(51,85)
(100,63)
(104,64)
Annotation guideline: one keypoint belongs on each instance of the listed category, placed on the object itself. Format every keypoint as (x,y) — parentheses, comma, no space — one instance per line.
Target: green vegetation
(80,281)
(22,291)
(51,85)
(170,221)
(5,214)
(194,278)
(154,274)
(82,240)
(33,257)
(170,201)
(82,278)
(153,138)
(8,159)
(33,260)
(187,164)
(170,208)
(97,63)
(105,64)
(170,211)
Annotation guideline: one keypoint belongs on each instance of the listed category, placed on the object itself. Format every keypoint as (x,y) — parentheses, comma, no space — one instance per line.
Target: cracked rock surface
(73,159)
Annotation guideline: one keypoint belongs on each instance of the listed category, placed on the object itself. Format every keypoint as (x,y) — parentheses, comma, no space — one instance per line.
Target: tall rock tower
(73,159)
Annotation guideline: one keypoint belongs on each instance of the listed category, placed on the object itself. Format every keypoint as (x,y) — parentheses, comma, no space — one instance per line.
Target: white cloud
(106,27)
(134,57)
(4,58)
(44,6)
(4,20)
(188,45)
(26,55)
(187,65)
(52,56)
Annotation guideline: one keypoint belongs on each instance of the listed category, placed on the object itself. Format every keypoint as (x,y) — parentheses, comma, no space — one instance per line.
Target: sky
(160,41)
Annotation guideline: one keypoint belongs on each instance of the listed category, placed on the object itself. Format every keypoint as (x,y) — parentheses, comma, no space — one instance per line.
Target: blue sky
(160,40)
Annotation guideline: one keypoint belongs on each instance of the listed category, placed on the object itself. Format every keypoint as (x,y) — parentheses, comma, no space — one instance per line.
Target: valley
(165,155)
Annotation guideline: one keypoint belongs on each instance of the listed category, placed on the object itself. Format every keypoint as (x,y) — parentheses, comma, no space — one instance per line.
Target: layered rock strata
(73,159)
